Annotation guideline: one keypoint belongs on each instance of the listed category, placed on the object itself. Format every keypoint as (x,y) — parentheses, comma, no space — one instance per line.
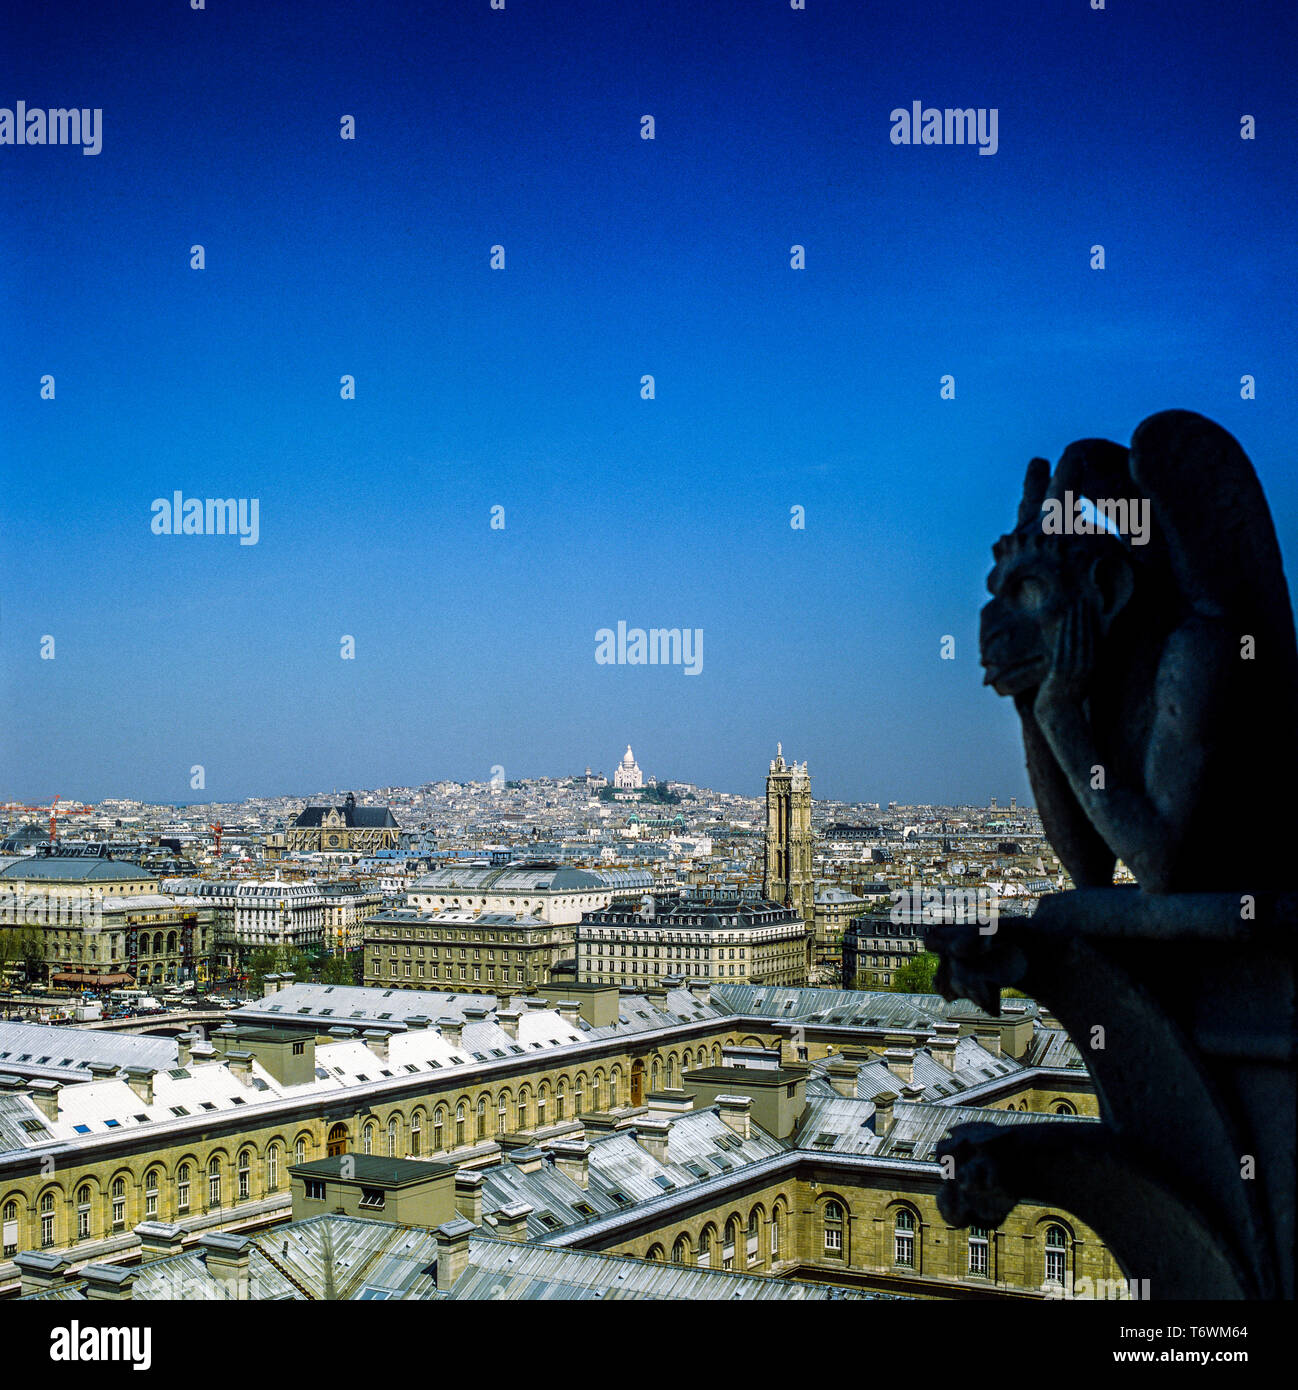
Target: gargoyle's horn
(1035,484)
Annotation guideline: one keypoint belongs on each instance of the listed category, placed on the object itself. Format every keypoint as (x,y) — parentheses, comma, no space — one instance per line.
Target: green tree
(916,976)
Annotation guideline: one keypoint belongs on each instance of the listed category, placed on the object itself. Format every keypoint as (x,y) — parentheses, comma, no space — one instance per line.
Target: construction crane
(53,811)
(216,830)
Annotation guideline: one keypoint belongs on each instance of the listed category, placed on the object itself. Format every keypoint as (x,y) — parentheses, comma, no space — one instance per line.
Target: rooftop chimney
(452,1029)
(736,1112)
(270,985)
(40,1269)
(653,1136)
(842,1076)
(159,1238)
(883,1118)
(468,1195)
(240,1064)
(569,1010)
(511,1221)
(184,1044)
(108,1283)
(701,990)
(912,1091)
(46,1096)
(508,1020)
(452,1251)
(227,1257)
(377,1042)
(900,1062)
(943,1044)
(140,1080)
(572,1159)
(990,1037)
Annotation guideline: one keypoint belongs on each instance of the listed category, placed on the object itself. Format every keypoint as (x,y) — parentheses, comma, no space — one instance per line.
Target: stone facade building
(345,829)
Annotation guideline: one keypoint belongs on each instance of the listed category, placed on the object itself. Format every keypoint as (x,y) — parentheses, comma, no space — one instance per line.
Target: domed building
(628,776)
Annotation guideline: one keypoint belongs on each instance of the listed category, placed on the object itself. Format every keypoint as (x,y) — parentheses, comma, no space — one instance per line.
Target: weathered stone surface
(1157,686)
(1155,675)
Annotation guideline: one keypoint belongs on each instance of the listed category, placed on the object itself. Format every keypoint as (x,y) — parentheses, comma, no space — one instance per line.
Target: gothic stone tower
(787,877)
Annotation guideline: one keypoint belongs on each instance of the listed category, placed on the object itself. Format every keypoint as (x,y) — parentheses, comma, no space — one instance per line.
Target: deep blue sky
(521,388)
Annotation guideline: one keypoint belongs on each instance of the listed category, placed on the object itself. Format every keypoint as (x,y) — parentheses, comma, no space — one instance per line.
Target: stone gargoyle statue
(1155,673)
(1141,623)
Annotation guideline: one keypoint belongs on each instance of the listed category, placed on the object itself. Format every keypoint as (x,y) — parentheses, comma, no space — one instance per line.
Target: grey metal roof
(506,1269)
(73,868)
(848,1007)
(921,1126)
(351,1258)
(65,1054)
(618,1164)
(22,1126)
(1052,1047)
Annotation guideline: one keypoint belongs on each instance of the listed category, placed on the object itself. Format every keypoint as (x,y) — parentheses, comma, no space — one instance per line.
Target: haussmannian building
(716,934)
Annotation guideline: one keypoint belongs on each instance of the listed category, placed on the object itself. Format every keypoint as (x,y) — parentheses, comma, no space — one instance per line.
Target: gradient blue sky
(521,388)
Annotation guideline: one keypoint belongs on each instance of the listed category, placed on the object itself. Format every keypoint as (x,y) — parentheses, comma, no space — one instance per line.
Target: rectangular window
(47,1229)
(315,1189)
(906,1251)
(182,1196)
(833,1238)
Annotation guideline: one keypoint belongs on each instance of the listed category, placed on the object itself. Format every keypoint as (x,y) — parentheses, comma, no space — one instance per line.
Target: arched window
(542,1095)
(655,1253)
(560,1102)
(482,1117)
(272,1168)
(1064,1107)
(150,1194)
(614,1088)
(47,1219)
(654,1072)
(336,1142)
(732,1242)
(502,1116)
(83,1211)
(393,1137)
(245,1174)
(9,1221)
(754,1252)
(681,1250)
(671,1072)
(597,1091)
(834,1229)
(579,1094)
(439,1123)
(705,1247)
(416,1133)
(182,1187)
(119,1204)
(459,1125)
(979,1242)
(368,1141)
(524,1096)
(1056,1254)
(214,1183)
(904,1238)
(299,1150)
(776,1216)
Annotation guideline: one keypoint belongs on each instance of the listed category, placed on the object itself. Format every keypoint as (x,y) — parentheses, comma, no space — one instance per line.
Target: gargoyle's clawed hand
(1074,658)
